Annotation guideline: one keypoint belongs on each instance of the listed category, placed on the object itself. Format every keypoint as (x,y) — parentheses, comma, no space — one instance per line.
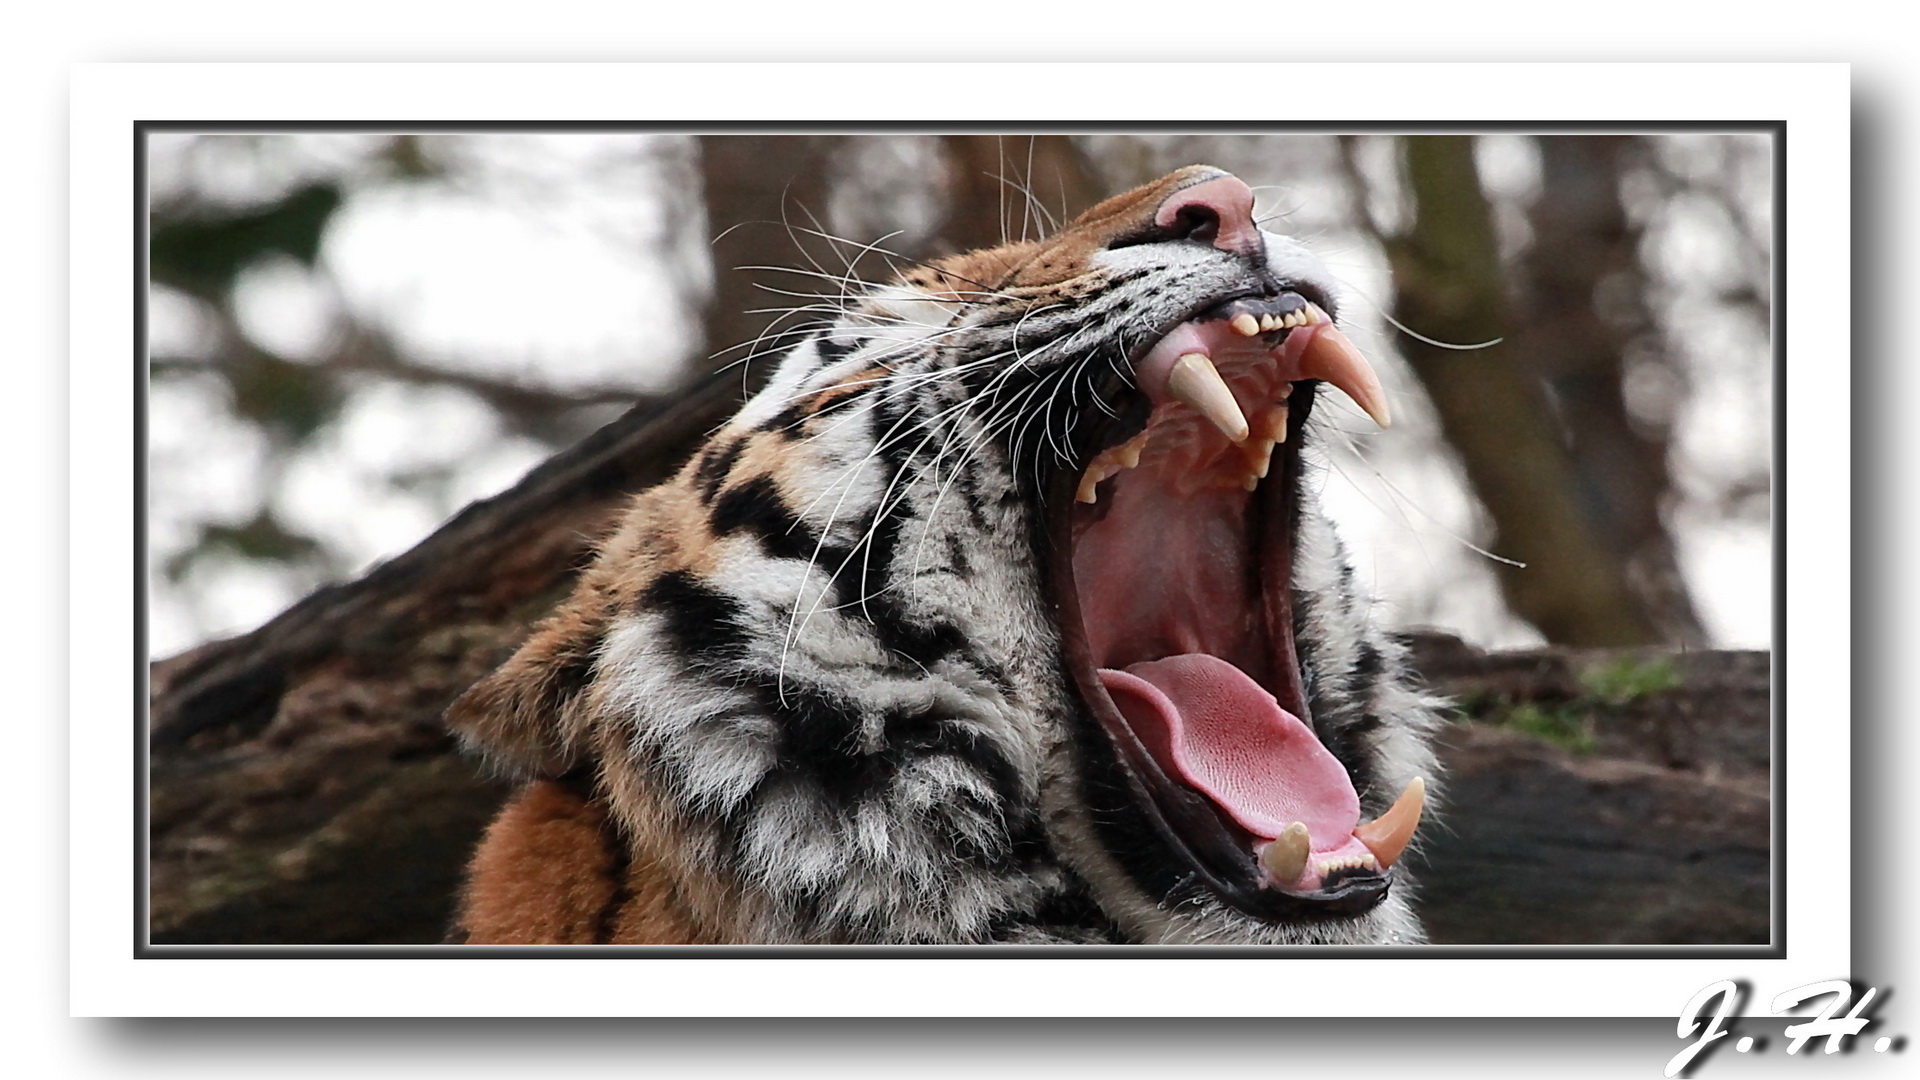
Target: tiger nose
(1218,211)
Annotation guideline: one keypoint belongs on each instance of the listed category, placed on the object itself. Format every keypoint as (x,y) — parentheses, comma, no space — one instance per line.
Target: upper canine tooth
(1387,835)
(1195,381)
(1246,324)
(1334,358)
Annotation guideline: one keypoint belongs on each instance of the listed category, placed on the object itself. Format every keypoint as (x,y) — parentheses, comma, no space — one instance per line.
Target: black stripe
(833,349)
(1070,915)
(922,639)
(716,461)
(704,624)
(819,741)
(757,509)
(912,733)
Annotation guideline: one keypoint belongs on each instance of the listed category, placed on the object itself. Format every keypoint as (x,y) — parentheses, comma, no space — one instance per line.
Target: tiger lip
(1296,340)
(1303,343)
(1222,396)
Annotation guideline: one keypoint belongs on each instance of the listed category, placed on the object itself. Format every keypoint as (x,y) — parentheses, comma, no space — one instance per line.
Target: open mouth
(1173,568)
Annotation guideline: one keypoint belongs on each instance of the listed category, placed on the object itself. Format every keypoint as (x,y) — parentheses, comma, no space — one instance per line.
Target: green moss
(1573,724)
(1629,679)
(1568,726)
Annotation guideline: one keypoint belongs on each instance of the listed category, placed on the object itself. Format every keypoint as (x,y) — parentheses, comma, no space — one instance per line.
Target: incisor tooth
(1387,835)
(1286,857)
(1332,357)
(1246,324)
(1195,381)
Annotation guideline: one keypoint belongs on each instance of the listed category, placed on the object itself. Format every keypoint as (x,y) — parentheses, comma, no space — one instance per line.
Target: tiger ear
(525,716)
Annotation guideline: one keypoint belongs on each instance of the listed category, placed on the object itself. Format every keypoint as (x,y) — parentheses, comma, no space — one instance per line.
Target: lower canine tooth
(1387,835)
(1286,858)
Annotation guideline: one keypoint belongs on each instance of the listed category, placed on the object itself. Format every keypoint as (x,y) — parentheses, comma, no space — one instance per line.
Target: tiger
(1005,613)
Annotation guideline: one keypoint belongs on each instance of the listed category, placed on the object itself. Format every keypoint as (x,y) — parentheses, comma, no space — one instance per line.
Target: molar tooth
(1249,482)
(1129,456)
(1332,357)
(1387,835)
(1286,858)
(1196,382)
(1246,324)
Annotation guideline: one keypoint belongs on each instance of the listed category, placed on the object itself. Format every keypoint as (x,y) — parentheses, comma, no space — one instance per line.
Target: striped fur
(811,690)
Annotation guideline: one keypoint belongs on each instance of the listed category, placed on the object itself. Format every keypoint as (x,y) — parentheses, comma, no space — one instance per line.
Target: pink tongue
(1209,724)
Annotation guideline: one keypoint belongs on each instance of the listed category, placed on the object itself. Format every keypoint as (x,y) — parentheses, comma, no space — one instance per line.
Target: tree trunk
(766,198)
(1586,305)
(1005,188)
(1494,411)
(302,786)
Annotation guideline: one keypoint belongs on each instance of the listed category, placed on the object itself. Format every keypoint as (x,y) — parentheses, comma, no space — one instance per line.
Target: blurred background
(355,335)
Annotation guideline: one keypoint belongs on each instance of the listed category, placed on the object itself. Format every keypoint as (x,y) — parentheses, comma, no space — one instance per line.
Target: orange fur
(560,866)
(549,872)
(543,874)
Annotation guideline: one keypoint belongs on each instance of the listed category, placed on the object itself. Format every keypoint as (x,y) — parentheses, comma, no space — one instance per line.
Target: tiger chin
(1004,613)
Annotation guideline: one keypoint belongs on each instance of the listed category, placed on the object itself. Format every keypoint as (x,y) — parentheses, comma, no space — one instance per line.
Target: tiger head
(1005,612)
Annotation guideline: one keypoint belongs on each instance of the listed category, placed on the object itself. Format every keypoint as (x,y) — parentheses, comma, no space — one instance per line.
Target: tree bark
(1586,306)
(1493,407)
(766,199)
(302,787)
(1600,797)
(1003,188)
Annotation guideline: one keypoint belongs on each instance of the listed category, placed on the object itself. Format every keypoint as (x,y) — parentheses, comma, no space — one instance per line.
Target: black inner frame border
(1777,764)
